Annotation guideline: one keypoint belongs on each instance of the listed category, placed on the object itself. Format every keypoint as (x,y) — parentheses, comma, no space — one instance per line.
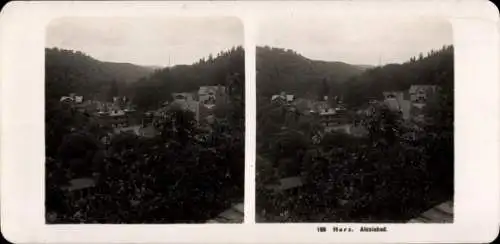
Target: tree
(324,90)
(113,90)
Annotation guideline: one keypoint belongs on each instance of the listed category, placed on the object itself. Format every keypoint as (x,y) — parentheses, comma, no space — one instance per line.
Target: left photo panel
(144,120)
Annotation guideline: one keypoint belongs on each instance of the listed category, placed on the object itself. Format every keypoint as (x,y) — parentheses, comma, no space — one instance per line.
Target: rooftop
(286,184)
(231,215)
(208,89)
(79,184)
(442,213)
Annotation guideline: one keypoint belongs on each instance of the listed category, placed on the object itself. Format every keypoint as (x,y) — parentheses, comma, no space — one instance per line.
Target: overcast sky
(146,41)
(356,40)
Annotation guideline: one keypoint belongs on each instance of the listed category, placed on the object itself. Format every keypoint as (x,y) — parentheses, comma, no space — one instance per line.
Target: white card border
(22,31)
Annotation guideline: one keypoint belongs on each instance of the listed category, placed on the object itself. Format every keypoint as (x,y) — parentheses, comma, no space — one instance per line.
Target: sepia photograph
(249,122)
(144,120)
(355,120)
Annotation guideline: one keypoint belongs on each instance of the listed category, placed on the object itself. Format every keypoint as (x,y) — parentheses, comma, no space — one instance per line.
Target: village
(335,117)
(122,116)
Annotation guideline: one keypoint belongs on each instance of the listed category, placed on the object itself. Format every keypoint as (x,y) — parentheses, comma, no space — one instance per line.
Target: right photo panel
(355,120)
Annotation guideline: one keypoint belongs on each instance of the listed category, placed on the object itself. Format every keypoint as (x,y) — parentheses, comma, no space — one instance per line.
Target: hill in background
(285,70)
(69,71)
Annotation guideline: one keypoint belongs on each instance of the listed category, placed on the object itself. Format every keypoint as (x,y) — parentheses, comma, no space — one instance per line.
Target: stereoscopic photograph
(355,120)
(144,120)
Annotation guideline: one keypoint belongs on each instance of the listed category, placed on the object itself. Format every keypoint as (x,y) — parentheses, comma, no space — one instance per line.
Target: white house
(420,93)
(78,99)
(396,101)
(210,94)
(288,98)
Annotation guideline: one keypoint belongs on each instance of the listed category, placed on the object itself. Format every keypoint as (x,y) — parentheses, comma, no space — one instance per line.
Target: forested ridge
(281,69)
(69,71)
(433,68)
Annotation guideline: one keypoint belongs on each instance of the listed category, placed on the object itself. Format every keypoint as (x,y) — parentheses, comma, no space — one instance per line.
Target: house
(275,97)
(78,99)
(211,94)
(182,96)
(393,104)
(421,93)
(405,108)
(338,120)
(398,95)
(283,98)
(66,99)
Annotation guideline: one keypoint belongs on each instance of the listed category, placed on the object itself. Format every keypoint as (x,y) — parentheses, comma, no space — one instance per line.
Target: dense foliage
(396,172)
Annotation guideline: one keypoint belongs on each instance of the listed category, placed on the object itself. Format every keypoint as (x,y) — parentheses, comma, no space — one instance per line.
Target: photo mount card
(290,58)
